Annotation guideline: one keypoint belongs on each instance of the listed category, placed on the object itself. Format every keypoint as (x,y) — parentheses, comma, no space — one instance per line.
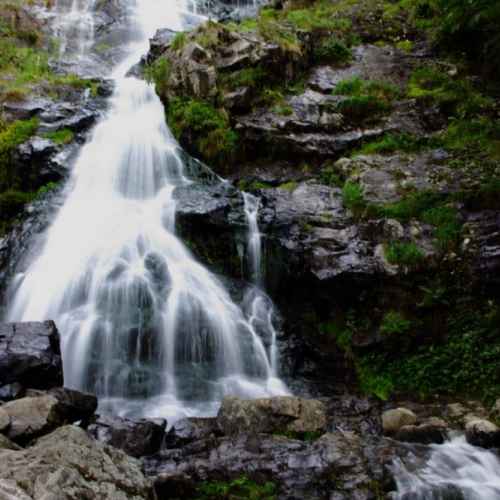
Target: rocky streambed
(52,442)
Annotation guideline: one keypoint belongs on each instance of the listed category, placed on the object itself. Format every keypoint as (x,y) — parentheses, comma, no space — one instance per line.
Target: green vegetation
(61,136)
(202,125)
(158,73)
(352,197)
(365,98)
(240,488)
(13,135)
(404,254)
(332,51)
(391,143)
(330,176)
(179,41)
(472,26)
(394,323)
(454,96)
(463,363)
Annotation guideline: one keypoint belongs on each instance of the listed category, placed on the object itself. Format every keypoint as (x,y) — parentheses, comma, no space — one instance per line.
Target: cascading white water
(74,26)
(143,325)
(455,470)
(261,310)
(251,206)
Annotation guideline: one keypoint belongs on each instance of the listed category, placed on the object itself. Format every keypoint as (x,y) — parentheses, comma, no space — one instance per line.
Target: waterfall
(454,471)
(261,309)
(144,326)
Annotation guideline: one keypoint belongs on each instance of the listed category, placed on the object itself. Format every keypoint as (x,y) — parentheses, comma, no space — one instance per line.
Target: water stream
(454,470)
(144,325)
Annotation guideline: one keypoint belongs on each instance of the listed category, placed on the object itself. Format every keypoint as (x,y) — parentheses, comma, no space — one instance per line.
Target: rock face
(280,414)
(30,355)
(34,416)
(69,464)
(394,420)
(479,432)
(432,431)
(337,465)
(136,438)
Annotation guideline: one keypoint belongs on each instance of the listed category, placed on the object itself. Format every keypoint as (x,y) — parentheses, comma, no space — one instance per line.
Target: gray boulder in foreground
(68,464)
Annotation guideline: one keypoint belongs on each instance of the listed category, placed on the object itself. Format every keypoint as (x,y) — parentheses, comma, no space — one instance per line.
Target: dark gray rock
(188,430)
(136,438)
(30,355)
(339,462)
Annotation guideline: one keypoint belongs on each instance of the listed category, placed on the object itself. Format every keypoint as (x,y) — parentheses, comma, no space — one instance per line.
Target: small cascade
(260,308)
(454,471)
(251,207)
(74,27)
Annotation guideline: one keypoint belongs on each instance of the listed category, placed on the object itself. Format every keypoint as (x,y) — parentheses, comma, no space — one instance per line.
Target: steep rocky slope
(375,155)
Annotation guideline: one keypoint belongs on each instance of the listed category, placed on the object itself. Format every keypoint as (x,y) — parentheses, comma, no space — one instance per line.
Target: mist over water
(144,326)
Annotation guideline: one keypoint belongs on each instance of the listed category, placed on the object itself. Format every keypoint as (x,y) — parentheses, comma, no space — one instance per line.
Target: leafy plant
(352,196)
(404,254)
(394,323)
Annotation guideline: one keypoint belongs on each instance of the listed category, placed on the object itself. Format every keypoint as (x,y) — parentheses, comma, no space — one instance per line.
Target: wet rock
(159,42)
(11,391)
(187,430)
(394,420)
(339,462)
(484,433)
(280,414)
(70,464)
(4,420)
(432,431)
(136,438)
(30,355)
(34,416)
(384,178)
(74,405)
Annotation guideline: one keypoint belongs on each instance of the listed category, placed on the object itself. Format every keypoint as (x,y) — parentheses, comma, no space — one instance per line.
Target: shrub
(203,126)
(158,73)
(472,26)
(352,196)
(394,323)
(179,41)
(242,487)
(405,254)
(332,50)
(11,137)
(359,108)
(11,202)
(62,136)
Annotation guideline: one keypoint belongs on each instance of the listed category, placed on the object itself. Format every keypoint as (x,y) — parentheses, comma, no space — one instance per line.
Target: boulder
(272,415)
(394,420)
(30,355)
(7,444)
(432,431)
(480,432)
(34,416)
(136,438)
(11,391)
(69,464)
(4,420)
(187,430)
